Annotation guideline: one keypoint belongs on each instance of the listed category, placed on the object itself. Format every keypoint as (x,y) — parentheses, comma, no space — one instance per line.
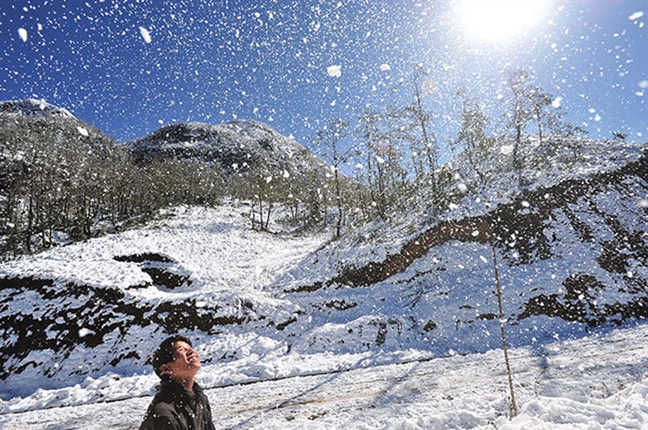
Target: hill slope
(570,249)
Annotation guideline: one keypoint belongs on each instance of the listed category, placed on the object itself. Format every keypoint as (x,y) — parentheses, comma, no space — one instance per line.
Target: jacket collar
(180,392)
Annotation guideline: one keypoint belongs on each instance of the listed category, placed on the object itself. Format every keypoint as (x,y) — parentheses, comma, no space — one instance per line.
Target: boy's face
(185,364)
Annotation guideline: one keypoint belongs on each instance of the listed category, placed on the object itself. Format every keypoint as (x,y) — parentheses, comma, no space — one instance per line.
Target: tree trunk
(513,405)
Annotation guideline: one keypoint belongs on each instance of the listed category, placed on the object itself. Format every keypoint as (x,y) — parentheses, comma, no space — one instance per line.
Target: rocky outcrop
(162,269)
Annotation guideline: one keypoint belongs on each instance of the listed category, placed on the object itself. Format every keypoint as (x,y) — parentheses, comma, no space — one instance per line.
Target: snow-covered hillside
(113,298)
(570,250)
(80,321)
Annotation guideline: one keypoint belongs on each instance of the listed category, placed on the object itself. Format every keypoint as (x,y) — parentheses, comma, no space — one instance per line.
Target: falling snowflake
(636,16)
(23,34)
(145,34)
(506,149)
(334,71)
(83,332)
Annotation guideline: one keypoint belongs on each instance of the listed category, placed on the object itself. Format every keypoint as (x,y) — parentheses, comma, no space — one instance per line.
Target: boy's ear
(166,369)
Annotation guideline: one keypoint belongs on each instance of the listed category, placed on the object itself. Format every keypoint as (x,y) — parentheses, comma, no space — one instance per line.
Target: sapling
(513,406)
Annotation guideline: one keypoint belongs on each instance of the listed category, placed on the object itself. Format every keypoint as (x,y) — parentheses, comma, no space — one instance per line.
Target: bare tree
(540,101)
(329,141)
(421,121)
(520,109)
(472,136)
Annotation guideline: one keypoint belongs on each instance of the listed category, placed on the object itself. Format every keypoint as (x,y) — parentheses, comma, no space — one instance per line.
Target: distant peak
(33,107)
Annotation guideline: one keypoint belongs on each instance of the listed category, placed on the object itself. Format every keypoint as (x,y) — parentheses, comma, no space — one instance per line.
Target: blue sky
(130,67)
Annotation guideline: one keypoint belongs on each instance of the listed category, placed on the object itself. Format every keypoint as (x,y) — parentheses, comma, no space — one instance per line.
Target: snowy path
(590,383)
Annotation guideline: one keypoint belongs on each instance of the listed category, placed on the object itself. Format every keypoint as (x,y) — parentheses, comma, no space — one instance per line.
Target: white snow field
(593,383)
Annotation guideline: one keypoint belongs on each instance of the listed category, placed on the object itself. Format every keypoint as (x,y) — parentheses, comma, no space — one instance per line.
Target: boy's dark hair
(164,354)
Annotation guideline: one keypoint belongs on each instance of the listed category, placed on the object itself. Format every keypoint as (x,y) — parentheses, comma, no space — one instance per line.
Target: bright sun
(499,20)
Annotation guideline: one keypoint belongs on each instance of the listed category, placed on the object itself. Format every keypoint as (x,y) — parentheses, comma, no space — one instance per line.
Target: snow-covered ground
(598,382)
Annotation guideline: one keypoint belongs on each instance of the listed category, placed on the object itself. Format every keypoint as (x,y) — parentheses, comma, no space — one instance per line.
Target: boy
(181,403)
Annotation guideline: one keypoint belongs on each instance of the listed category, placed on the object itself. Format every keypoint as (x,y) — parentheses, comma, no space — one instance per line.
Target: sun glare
(499,20)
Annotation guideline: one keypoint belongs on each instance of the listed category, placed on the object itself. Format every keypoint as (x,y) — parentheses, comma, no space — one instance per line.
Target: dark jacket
(176,408)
